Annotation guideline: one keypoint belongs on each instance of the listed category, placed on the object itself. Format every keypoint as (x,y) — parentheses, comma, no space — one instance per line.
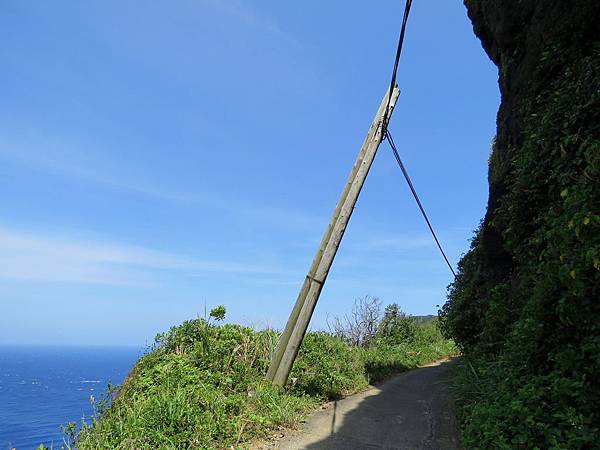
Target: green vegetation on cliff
(530,329)
(202,386)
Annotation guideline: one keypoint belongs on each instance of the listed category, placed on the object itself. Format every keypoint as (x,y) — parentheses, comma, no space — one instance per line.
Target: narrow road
(410,411)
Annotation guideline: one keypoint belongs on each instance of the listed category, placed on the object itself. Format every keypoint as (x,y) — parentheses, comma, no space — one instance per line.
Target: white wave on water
(43,388)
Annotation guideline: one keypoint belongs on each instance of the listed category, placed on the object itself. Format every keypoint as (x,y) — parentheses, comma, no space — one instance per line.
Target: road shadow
(411,411)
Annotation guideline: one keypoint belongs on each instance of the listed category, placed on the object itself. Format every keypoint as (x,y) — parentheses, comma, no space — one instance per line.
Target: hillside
(203,386)
(524,307)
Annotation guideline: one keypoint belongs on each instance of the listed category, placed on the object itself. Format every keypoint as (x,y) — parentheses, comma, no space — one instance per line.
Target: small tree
(396,326)
(218,313)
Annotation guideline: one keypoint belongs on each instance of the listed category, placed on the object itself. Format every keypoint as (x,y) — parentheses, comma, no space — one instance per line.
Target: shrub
(202,386)
(396,327)
(328,367)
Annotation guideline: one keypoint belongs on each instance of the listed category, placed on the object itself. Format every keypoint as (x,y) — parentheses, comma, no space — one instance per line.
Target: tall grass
(202,386)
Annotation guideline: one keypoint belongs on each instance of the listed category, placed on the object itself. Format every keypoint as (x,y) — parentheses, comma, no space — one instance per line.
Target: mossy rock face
(525,304)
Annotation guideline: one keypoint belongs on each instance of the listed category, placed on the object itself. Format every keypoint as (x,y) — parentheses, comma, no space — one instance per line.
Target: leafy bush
(203,386)
(218,313)
(318,374)
(396,327)
(387,358)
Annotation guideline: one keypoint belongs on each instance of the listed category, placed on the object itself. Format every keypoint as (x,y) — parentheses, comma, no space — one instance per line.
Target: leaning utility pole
(293,334)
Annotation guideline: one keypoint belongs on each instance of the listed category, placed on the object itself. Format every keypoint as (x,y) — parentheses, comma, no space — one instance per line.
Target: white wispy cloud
(72,164)
(36,257)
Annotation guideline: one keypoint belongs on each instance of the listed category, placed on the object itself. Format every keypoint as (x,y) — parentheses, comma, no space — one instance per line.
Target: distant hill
(425,319)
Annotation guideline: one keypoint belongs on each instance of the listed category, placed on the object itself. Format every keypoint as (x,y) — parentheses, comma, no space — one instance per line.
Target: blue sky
(158,157)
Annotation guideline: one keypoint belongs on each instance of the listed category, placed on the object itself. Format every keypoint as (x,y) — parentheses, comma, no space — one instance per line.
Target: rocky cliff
(515,34)
(525,306)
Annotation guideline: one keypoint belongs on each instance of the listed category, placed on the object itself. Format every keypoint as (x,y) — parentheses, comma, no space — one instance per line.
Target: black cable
(386,116)
(390,140)
(387,135)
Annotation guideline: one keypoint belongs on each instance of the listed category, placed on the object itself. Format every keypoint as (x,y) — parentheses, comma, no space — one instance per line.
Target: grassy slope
(203,385)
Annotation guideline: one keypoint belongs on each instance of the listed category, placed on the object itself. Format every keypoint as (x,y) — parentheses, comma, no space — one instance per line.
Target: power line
(390,140)
(387,135)
(386,117)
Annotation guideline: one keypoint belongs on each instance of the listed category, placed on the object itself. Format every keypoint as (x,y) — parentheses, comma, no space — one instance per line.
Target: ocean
(42,388)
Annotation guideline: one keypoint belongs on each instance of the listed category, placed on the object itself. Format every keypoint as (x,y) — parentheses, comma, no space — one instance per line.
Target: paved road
(410,411)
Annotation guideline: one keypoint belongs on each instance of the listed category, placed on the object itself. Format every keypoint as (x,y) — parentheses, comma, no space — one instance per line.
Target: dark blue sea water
(42,388)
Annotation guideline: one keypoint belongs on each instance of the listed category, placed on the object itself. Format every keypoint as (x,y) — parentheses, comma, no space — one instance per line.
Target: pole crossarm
(297,324)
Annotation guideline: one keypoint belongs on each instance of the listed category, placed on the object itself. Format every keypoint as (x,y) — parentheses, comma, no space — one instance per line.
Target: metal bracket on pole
(297,324)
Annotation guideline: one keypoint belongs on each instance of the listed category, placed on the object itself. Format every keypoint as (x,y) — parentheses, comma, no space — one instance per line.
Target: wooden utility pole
(293,334)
